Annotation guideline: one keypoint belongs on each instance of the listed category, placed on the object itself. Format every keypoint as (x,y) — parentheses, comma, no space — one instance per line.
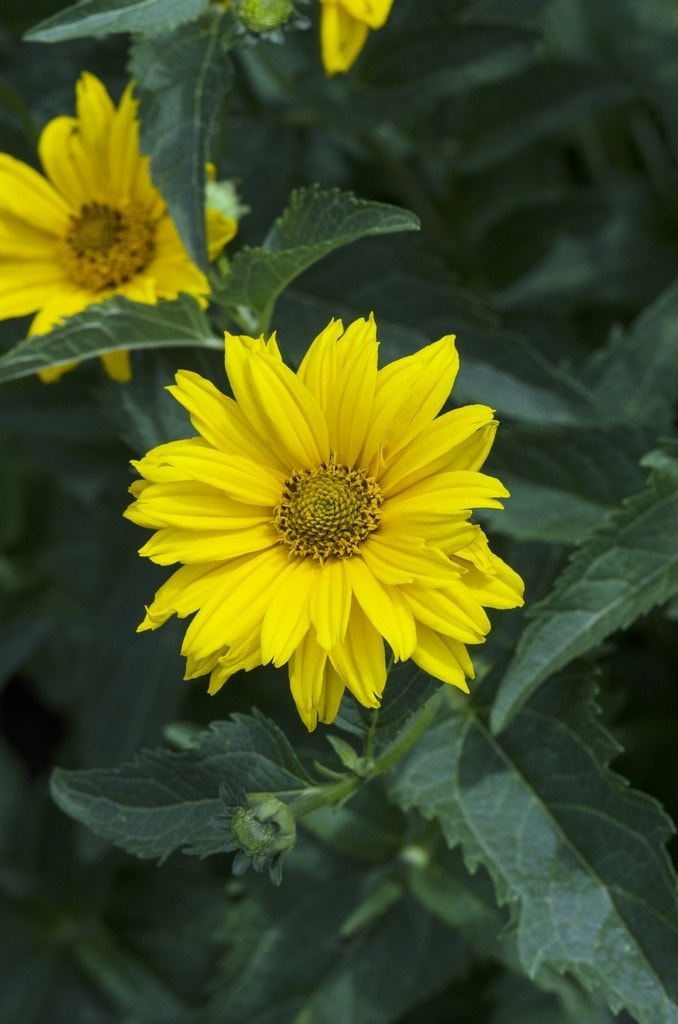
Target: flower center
(328,511)
(107,245)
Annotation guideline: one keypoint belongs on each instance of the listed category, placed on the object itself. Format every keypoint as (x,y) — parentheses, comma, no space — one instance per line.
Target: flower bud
(262,830)
(263,15)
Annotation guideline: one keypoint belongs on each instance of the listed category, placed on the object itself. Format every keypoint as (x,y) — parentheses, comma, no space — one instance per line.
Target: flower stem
(334,792)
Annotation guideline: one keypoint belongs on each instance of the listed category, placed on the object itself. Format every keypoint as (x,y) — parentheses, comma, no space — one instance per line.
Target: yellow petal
(500,587)
(61,154)
(220,230)
(307,671)
(373,12)
(316,687)
(129,173)
(351,399)
(220,421)
(278,406)
(330,603)
(231,614)
(331,694)
(69,301)
(118,366)
(410,392)
(29,197)
(195,506)
(453,612)
(241,479)
(443,658)
(172,544)
(318,368)
(385,607)
(359,660)
(28,285)
(229,664)
(395,559)
(287,618)
(182,594)
(342,37)
(447,493)
(455,440)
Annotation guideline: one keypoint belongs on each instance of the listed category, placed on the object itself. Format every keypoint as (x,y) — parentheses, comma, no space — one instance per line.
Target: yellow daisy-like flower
(95,226)
(344,27)
(323,512)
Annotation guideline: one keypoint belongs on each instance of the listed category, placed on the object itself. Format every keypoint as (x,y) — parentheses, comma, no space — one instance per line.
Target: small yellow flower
(95,225)
(320,513)
(344,27)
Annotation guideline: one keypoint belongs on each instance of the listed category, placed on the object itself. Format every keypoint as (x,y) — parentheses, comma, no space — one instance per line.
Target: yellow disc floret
(106,244)
(328,511)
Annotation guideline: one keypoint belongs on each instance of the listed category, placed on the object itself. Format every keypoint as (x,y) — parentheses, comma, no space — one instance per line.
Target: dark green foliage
(507,172)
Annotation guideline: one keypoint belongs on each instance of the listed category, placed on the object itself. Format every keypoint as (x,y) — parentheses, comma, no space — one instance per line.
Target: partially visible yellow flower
(95,225)
(320,513)
(344,27)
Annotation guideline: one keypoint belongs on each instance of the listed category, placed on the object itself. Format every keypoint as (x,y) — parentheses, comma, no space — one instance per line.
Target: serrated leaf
(115,324)
(168,800)
(101,17)
(628,566)
(315,223)
(635,376)
(181,78)
(577,853)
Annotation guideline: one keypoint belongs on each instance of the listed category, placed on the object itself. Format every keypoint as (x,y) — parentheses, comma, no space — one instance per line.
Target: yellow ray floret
(95,225)
(323,515)
(344,27)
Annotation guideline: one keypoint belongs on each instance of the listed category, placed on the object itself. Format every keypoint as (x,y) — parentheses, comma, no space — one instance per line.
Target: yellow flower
(95,226)
(344,27)
(323,512)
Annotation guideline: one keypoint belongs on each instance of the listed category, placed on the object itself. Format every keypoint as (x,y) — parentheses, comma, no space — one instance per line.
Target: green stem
(412,736)
(320,796)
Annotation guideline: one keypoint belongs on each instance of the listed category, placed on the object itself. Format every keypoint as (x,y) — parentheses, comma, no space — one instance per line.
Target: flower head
(95,225)
(344,27)
(321,513)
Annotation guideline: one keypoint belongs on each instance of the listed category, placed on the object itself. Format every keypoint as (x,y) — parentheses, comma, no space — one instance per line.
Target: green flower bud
(263,15)
(261,829)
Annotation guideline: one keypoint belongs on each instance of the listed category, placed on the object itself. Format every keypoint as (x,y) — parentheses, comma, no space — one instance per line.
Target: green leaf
(577,854)
(407,690)
(181,79)
(500,119)
(628,566)
(635,376)
(414,69)
(100,17)
(288,960)
(563,480)
(168,800)
(115,324)
(642,39)
(315,223)
(612,255)
(416,305)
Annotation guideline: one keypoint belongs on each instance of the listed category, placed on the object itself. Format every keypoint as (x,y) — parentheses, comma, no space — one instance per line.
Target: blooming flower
(344,27)
(320,513)
(95,226)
